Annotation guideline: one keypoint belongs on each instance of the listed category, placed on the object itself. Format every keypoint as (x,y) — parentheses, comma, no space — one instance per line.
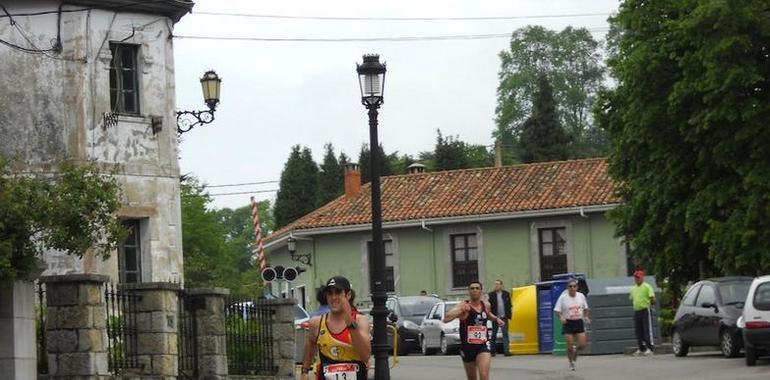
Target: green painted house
(519,223)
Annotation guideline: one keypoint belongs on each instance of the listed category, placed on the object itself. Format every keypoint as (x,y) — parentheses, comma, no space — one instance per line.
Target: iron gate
(188,337)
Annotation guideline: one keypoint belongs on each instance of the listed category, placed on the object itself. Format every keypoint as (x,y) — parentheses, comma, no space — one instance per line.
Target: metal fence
(188,337)
(249,331)
(121,328)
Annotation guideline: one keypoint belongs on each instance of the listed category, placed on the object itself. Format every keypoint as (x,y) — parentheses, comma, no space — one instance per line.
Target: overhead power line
(242,184)
(341,18)
(363,39)
(245,192)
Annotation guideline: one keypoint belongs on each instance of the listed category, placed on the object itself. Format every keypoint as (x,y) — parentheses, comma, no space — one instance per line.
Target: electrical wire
(363,39)
(242,184)
(340,18)
(244,192)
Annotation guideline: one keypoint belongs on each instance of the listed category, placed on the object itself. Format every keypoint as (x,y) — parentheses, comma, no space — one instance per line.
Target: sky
(276,94)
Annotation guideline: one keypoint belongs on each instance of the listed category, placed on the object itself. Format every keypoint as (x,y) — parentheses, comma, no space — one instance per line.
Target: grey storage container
(612,315)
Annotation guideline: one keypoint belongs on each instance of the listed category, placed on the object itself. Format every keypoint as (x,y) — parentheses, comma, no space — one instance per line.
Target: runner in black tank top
(474,333)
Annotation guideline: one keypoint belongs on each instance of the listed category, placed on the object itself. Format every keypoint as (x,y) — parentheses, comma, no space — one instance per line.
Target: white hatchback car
(755,320)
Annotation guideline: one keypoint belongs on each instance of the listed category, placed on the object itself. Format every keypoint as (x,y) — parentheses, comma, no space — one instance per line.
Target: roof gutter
(580,210)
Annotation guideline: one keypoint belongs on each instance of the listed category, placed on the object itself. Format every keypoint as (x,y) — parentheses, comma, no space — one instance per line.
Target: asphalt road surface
(696,366)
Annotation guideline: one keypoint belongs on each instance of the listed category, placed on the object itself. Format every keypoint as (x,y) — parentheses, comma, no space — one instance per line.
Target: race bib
(477,334)
(341,371)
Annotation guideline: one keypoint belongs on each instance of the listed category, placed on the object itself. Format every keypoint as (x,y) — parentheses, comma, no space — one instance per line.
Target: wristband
(307,369)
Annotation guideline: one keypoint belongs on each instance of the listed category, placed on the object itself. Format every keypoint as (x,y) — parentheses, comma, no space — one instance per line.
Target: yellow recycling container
(522,330)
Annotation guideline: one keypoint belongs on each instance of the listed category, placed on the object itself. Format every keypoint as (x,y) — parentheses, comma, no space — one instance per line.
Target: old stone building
(86,80)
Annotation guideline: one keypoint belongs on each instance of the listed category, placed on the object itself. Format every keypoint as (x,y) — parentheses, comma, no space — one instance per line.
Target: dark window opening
(390,278)
(553,253)
(124,78)
(130,253)
(465,259)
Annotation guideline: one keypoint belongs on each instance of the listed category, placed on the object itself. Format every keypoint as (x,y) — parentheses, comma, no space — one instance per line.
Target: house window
(390,278)
(130,253)
(124,78)
(465,259)
(553,253)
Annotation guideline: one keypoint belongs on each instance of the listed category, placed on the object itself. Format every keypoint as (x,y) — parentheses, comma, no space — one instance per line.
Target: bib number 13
(342,371)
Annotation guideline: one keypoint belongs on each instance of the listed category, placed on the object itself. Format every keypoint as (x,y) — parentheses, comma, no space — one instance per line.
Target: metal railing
(188,338)
(121,328)
(249,332)
(42,344)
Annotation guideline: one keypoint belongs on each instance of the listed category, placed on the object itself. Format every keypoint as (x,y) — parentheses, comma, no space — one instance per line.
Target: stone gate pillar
(210,331)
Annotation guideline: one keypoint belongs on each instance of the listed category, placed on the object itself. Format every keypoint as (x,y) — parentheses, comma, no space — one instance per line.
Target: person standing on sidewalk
(474,313)
(643,298)
(340,336)
(500,303)
(572,309)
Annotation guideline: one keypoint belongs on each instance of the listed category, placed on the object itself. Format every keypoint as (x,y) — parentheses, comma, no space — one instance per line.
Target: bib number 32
(341,371)
(477,334)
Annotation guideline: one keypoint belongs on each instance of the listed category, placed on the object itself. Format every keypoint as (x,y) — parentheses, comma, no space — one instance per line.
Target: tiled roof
(471,192)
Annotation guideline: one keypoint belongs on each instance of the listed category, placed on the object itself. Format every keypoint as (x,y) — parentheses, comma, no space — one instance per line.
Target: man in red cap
(643,298)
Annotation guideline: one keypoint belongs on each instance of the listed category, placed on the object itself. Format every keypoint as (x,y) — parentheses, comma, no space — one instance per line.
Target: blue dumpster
(544,317)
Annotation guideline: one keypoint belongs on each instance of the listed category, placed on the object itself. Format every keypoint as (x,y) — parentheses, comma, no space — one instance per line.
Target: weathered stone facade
(54,108)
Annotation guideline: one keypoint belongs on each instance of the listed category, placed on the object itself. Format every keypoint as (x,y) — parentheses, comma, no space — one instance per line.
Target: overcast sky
(278,94)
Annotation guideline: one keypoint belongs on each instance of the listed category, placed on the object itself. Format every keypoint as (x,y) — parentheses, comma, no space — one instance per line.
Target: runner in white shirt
(572,308)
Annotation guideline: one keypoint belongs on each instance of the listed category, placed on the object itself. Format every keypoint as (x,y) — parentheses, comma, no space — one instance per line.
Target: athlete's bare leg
(470,370)
(569,340)
(581,344)
(483,362)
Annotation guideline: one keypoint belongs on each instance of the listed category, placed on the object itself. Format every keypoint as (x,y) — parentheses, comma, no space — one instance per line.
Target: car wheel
(678,345)
(424,346)
(751,356)
(729,347)
(443,346)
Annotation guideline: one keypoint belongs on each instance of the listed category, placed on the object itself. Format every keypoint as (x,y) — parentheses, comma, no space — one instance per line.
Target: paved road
(699,366)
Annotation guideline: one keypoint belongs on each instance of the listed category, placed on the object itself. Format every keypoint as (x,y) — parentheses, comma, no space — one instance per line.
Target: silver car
(437,336)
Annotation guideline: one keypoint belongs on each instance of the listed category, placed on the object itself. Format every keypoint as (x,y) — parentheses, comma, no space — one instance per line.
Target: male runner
(341,337)
(475,347)
(572,308)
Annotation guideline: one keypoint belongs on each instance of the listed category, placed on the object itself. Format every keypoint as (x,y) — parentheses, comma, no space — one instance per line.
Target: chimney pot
(352,180)
(416,168)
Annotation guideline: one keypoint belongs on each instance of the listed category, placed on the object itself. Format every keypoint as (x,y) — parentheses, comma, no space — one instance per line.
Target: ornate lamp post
(371,79)
(186,120)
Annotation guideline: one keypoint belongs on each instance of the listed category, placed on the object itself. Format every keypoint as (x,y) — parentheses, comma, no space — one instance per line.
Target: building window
(130,253)
(124,78)
(465,259)
(553,252)
(390,278)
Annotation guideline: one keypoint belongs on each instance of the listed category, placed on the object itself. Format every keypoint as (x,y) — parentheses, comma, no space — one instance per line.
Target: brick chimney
(352,180)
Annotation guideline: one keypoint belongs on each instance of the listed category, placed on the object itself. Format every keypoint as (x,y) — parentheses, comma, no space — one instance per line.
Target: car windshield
(449,305)
(415,307)
(734,292)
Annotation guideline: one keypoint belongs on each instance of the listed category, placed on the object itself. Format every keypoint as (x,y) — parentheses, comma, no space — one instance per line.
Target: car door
(706,330)
(686,318)
(429,327)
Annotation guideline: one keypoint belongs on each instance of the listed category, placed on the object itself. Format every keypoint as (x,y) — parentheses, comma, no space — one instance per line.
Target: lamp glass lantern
(210,83)
(291,243)
(371,79)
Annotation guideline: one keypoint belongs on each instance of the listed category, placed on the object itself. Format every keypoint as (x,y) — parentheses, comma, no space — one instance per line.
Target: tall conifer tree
(298,191)
(542,137)
(330,180)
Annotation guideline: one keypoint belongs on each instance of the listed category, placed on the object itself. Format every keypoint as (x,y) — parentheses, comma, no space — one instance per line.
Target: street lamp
(291,243)
(371,79)
(186,120)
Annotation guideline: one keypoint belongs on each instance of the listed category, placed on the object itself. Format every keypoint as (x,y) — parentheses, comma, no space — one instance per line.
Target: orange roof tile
(471,192)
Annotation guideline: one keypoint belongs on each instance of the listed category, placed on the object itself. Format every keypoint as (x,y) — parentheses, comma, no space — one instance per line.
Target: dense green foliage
(542,138)
(688,124)
(71,211)
(298,192)
(571,62)
(364,162)
(450,153)
(217,242)
(330,178)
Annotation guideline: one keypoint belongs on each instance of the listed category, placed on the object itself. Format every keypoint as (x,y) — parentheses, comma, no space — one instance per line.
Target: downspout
(433,254)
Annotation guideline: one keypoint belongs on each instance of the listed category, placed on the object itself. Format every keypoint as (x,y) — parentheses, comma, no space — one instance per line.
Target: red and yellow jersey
(339,360)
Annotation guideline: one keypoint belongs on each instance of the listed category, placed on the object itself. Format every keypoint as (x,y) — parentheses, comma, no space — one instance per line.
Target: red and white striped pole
(258,248)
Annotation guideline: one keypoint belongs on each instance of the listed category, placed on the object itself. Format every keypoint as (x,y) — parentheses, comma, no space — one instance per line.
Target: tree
(542,138)
(298,187)
(364,159)
(330,179)
(690,146)
(571,62)
(449,153)
(72,211)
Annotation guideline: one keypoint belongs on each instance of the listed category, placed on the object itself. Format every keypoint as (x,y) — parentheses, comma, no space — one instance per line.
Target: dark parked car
(407,314)
(708,314)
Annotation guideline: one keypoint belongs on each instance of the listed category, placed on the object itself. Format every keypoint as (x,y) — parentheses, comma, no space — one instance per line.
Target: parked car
(708,315)
(407,312)
(755,320)
(437,336)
